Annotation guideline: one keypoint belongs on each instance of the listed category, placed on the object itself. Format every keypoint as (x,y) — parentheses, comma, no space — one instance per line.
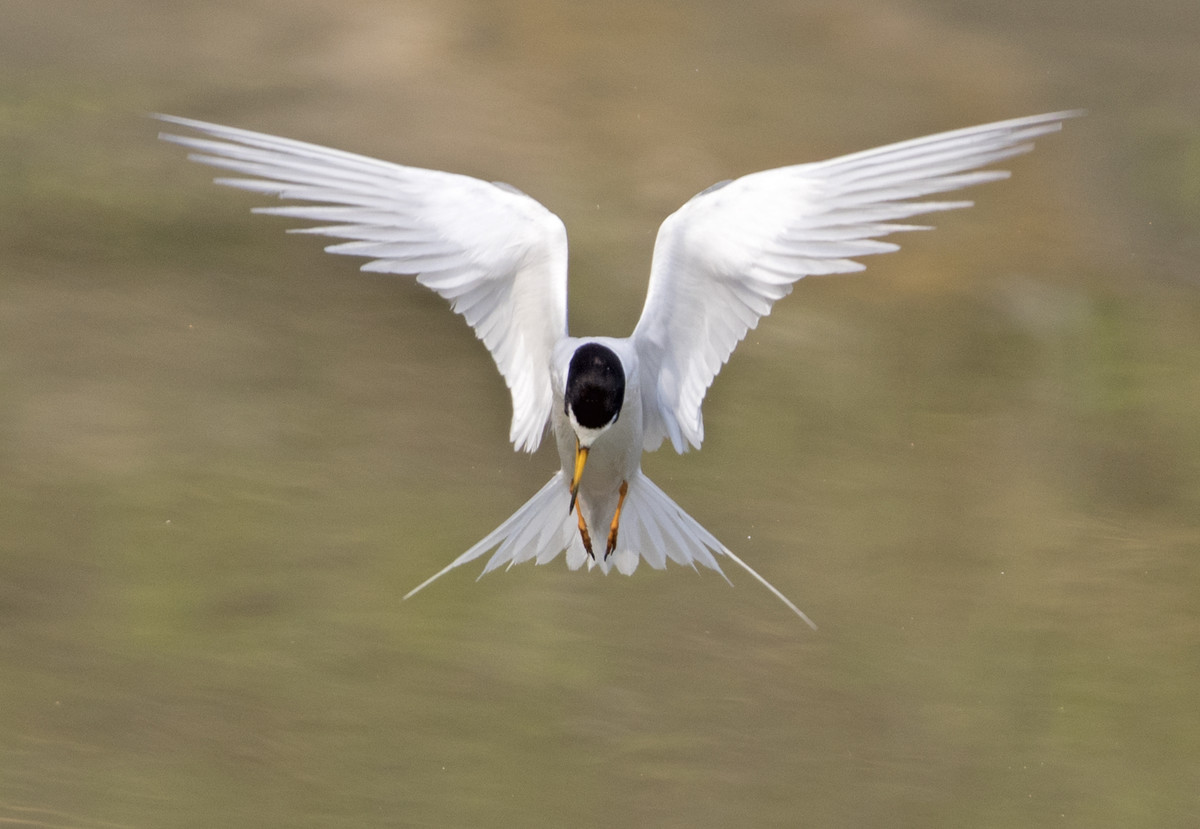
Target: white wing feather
(726,256)
(497,255)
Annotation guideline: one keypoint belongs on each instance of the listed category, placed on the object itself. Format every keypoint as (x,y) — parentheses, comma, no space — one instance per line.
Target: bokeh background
(224,456)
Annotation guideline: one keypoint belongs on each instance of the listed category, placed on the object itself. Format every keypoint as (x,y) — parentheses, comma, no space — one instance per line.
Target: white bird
(719,263)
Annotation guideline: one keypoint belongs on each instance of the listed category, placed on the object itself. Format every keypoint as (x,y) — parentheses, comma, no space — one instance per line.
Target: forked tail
(653,527)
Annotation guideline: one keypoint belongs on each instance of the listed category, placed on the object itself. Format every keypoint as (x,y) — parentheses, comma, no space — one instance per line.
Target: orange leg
(612,531)
(583,533)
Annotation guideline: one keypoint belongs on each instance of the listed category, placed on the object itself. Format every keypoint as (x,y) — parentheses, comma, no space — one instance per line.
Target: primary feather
(497,255)
(726,256)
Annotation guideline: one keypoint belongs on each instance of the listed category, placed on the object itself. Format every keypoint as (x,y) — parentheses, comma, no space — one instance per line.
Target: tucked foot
(612,531)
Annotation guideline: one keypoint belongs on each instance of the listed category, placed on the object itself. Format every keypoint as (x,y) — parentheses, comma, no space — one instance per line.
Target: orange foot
(583,533)
(612,531)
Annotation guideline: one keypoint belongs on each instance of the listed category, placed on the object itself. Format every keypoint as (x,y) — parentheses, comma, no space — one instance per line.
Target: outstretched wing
(497,255)
(722,259)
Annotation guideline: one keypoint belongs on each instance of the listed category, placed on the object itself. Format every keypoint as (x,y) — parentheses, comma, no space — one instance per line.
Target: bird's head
(592,399)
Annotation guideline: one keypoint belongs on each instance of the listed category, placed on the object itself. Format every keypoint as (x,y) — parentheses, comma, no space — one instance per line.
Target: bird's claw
(612,531)
(583,534)
(611,545)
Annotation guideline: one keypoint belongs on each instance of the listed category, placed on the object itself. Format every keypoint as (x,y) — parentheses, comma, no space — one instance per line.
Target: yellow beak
(581,453)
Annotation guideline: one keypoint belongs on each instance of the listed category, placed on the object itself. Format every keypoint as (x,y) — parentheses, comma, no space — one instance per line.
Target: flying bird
(719,264)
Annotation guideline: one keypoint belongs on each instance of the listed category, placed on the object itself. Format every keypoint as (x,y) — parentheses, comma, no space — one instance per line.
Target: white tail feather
(653,527)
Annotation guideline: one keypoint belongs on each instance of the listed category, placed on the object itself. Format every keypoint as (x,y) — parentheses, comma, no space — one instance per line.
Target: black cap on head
(595,386)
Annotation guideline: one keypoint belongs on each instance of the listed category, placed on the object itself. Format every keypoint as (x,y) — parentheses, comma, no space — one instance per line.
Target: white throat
(585,435)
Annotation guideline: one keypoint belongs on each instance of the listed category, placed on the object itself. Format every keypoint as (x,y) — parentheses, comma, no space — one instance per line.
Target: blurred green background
(226,455)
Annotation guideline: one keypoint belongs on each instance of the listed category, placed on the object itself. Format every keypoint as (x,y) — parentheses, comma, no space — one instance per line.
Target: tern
(719,264)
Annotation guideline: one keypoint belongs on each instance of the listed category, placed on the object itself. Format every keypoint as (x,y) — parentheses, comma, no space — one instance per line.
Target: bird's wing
(722,259)
(497,255)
